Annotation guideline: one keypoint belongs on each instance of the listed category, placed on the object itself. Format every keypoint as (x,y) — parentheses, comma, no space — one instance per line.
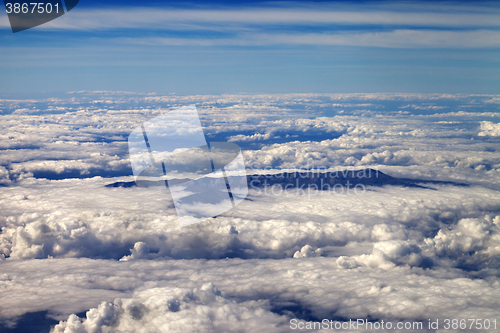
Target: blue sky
(257,47)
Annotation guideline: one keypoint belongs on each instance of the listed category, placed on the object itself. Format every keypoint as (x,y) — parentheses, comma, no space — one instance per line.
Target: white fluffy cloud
(203,309)
(69,244)
(238,295)
(489,129)
(138,223)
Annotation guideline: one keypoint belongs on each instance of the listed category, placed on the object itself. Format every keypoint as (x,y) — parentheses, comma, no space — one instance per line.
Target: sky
(221,47)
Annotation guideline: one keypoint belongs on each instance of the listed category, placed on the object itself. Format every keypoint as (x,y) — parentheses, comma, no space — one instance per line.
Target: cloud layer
(396,27)
(69,245)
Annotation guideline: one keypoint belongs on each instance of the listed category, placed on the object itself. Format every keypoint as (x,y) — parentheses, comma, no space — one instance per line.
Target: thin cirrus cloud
(151,17)
(401,38)
(376,27)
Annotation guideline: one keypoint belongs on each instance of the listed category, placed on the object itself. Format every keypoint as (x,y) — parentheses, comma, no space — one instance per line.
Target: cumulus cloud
(235,294)
(489,129)
(307,251)
(390,252)
(203,309)
(131,223)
